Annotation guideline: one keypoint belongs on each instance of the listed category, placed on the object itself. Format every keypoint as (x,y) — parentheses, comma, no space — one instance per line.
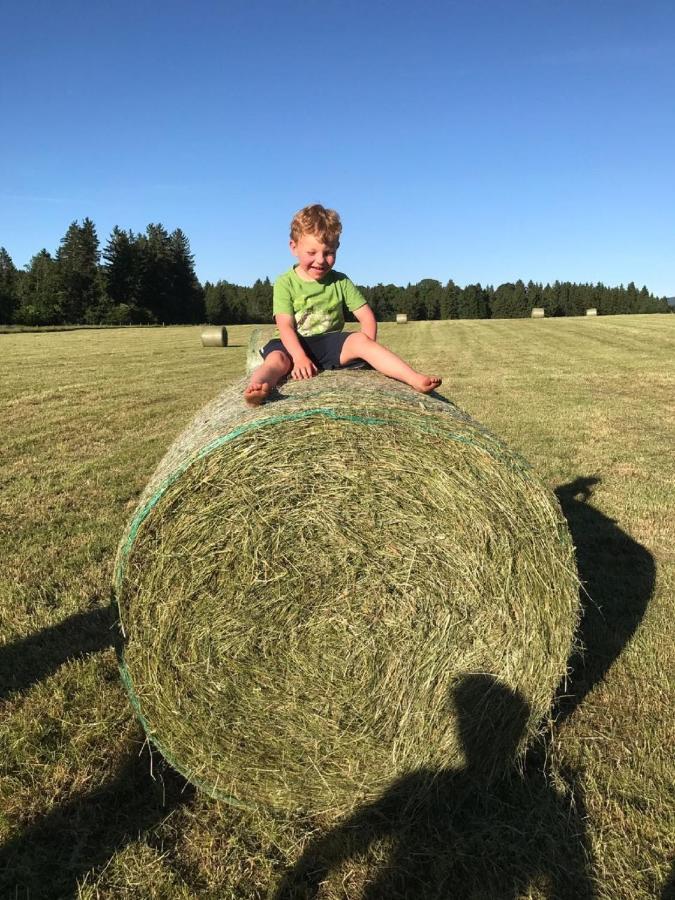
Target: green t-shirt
(316,305)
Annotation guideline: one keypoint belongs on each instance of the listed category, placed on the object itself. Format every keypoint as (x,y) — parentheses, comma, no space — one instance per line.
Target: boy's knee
(359,339)
(279,358)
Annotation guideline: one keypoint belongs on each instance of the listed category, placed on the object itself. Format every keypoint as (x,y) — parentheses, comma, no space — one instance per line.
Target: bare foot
(255,394)
(426,383)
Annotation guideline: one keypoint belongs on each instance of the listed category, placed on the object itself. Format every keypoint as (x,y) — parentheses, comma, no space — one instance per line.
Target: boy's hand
(303,367)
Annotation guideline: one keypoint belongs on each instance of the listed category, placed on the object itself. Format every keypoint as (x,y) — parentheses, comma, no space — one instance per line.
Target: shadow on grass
(31,659)
(448,833)
(49,858)
(463,833)
(455,833)
(618,575)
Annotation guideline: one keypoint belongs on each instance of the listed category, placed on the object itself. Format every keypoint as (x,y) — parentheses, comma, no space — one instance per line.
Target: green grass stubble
(85,421)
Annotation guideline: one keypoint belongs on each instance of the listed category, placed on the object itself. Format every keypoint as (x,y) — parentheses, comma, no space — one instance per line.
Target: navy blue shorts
(323,349)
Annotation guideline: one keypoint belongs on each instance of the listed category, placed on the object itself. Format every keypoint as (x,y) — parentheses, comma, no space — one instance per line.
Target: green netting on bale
(303,584)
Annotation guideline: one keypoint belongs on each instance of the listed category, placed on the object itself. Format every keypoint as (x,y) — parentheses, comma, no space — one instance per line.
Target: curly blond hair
(323,223)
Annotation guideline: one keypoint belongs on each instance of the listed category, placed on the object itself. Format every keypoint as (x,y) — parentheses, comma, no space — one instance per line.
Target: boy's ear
(292,244)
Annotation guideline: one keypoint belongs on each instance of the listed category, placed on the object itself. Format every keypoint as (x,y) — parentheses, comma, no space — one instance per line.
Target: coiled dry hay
(304,583)
(214,336)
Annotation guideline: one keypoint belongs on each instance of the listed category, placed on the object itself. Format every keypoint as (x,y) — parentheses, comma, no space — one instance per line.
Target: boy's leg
(266,377)
(359,346)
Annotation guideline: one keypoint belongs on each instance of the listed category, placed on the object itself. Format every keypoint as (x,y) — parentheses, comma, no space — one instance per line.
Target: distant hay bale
(538,312)
(401,318)
(214,336)
(304,584)
(257,340)
(592,311)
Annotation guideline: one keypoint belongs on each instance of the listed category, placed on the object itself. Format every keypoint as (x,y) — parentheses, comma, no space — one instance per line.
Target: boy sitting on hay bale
(308,311)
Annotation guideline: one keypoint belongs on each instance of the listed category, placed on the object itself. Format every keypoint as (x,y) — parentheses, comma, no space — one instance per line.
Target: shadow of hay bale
(301,583)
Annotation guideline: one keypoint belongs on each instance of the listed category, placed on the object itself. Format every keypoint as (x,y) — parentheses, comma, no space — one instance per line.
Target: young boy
(307,308)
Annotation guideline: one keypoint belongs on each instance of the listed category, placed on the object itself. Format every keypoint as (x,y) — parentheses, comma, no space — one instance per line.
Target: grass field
(86,810)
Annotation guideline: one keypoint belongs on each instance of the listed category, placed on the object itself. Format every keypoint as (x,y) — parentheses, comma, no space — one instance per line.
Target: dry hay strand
(215,336)
(303,585)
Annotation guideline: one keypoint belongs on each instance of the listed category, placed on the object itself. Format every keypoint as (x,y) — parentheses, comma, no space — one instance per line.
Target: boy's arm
(366,317)
(303,367)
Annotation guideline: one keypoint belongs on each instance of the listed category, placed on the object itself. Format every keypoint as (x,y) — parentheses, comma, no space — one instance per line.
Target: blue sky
(479,141)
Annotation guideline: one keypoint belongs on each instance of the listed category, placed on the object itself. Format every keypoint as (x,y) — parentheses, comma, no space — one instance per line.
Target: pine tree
(473,303)
(77,262)
(502,302)
(449,303)
(259,306)
(9,285)
(429,293)
(186,295)
(39,302)
(155,276)
(121,267)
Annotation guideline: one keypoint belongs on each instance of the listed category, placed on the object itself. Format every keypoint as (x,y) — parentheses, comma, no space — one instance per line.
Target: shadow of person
(465,833)
(618,575)
(48,858)
(31,659)
(668,892)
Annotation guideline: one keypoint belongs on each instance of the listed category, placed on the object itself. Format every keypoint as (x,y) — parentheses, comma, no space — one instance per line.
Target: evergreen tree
(39,302)
(155,292)
(223,302)
(449,304)
(259,305)
(186,295)
(510,301)
(503,303)
(9,285)
(429,293)
(473,303)
(77,259)
(521,304)
(121,267)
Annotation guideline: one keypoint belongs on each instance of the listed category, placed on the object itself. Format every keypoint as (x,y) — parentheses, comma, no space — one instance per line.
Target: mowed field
(86,810)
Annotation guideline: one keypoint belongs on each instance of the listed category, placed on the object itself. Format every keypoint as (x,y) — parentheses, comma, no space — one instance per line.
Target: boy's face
(315,259)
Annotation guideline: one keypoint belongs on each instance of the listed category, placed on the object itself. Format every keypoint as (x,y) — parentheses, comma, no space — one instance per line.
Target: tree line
(149,278)
(136,279)
(228,304)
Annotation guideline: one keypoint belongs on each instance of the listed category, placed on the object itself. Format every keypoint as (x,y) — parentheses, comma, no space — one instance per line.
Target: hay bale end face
(401,318)
(304,585)
(257,340)
(538,312)
(215,336)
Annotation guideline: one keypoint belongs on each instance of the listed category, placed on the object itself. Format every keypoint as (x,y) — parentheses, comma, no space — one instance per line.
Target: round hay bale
(538,312)
(304,584)
(259,337)
(592,311)
(401,318)
(214,336)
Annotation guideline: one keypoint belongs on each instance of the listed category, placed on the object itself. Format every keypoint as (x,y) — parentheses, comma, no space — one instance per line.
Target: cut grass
(86,417)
